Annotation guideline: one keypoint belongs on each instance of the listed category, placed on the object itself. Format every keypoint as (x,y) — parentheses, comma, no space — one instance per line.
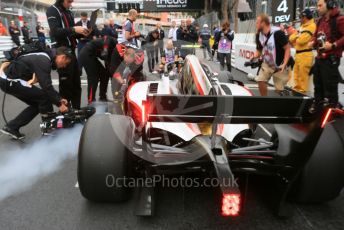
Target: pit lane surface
(53,202)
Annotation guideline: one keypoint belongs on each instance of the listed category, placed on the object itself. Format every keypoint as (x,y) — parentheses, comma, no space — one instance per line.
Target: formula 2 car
(194,122)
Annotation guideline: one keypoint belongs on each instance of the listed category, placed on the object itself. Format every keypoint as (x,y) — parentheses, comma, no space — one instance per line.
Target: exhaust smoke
(20,168)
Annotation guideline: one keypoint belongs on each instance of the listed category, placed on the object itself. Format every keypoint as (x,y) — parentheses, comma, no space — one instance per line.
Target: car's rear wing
(227,109)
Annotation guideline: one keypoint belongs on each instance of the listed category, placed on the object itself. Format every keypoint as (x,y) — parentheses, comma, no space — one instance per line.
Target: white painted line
(77,185)
(265,130)
(56,82)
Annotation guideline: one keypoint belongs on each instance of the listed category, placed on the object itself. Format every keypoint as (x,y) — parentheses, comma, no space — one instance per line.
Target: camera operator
(89,59)
(187,35)
(304,54)
(125,68)
(273,47)
(64,33)
(329,40)
(18,78)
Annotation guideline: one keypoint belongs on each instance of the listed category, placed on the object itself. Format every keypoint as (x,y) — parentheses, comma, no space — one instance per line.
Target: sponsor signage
(172,5)
(283,11)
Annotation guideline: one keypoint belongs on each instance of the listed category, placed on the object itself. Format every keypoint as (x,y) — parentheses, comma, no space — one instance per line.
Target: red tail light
(326,118)
(231,204)
(145,110)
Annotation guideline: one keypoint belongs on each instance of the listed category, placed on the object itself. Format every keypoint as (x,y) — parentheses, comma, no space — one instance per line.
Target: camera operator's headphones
(331,4)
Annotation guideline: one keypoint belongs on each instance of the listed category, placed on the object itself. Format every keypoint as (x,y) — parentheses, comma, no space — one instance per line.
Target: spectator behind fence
(224,39)
(151,46)
(186,35)
(15,33)
(40,33)
(160,43)
(3,31)
(172,34)
(26,33)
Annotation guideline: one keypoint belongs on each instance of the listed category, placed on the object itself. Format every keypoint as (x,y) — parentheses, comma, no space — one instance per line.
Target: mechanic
(129,33)
(186,35)
(205,35)
(329,40)
(64,33)
(88,58)
(273,46)
(304,54)
(224,39)
(160,43)
(125,68)
(18,79)
(152,43)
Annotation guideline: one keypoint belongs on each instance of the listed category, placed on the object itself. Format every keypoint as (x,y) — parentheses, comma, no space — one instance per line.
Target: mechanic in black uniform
(64,33)
(16,79)
(125,68)
(88,58)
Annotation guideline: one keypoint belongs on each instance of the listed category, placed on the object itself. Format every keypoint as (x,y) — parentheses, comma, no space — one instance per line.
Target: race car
(191,121)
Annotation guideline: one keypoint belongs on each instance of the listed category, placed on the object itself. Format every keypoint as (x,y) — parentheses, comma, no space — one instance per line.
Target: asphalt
(49,199)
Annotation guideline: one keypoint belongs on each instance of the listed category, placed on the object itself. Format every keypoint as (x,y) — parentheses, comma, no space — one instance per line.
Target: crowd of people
(78,45)
(15,32)
(326,36)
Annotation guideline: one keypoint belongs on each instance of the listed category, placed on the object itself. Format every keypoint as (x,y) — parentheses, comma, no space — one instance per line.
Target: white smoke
(20,168)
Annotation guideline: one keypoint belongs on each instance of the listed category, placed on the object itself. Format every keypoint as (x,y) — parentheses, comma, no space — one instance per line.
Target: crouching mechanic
(18,79)
(125,68)
(273,47)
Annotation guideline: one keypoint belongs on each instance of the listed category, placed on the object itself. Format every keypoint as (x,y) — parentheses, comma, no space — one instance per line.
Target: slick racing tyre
(103,158)
(322,178)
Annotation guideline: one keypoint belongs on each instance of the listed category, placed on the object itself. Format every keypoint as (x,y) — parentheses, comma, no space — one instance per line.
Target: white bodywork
(186,131)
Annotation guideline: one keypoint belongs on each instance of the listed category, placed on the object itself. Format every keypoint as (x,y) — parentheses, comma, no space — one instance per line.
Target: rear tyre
(103,158)
(322,178)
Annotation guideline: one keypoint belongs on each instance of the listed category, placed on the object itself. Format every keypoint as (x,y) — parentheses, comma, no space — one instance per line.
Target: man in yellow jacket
(304,54)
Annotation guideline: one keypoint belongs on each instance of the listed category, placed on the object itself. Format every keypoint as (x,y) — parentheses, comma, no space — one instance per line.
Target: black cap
(307,13)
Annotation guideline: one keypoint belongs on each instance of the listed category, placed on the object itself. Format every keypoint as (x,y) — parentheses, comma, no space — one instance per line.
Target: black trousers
(16,40)
(206,48)
(70,83)
(226,57)
(34,97)
(156,51)
(151,59)
(96,73)
(326,79)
